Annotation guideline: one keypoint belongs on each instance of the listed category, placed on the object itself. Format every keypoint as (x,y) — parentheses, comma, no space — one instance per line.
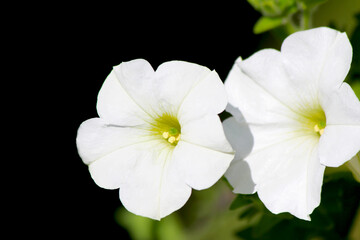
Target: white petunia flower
(158,135)
(302,117)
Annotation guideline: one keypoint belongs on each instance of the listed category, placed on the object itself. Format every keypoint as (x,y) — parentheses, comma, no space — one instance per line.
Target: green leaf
(170,228)
(272,8)
(354,166)
(138,227)
(354,75)
(267,222)
(240,201)
(331,220)
(267,23)
(340,14)
(249,212)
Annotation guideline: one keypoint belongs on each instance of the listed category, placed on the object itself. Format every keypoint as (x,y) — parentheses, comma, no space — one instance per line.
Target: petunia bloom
(158,135)
(301,115)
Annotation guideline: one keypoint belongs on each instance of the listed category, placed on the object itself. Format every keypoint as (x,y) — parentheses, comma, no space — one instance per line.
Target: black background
(73,49)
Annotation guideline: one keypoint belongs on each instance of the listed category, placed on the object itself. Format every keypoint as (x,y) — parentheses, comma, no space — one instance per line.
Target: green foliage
(267,23)
(339,14)
(275,13)
(353,77)
(273,8)
(294,15)
(355,42)
(331,220)
(206,216)
(242,200)
(141,228)
(356,87)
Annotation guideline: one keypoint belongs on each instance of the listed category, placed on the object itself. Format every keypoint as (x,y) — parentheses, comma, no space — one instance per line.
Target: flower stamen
(319,127)
(318,130)
(173,136)
(165,135)
(171,139)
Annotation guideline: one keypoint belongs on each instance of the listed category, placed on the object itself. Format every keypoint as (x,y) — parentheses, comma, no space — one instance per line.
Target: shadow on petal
(241,139)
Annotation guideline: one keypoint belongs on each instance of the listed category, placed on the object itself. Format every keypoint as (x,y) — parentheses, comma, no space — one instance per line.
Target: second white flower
(302,117)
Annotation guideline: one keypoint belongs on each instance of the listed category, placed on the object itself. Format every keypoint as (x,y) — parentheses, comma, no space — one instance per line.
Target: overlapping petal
(189,158)
(207,132)
(200,101)
(260,99)
(239,174)
(265,69)
(341,138)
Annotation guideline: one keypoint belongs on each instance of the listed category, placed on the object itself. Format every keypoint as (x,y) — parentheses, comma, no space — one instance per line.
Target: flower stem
(306,20)
(354,233)
(290,27)
(354,166)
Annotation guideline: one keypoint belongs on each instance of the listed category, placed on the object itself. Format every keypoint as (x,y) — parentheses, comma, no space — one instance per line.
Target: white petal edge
(97,138)
(340,140)
(207,132)
(293,183)
(154,188)
(200,167)
(208,96)
(321,55)
(116,101)
(174,80)
(115,168)
(245,93)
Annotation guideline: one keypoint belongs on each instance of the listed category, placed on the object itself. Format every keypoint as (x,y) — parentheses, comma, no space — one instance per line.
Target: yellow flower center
(167,127)
(314,120)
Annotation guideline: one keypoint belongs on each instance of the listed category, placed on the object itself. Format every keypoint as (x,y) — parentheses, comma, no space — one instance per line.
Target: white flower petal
(260,100)
(199,166)
(207,132)
(154,188)
(339,144)
(115,168)
(322,54)
(293,176)
(239,174)
(174,80)
(97,138)
(118,102)
(341,138)
(137,78)
(341,106)
(266,70)
(208,96)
